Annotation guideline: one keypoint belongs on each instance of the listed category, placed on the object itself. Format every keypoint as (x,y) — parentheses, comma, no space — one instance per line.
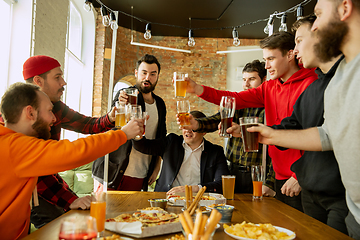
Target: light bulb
(299,12)
(113,22)
(235,35)
(105,17)
(147,34)
(87,5)
(191,41)
(283,26)
(269,26)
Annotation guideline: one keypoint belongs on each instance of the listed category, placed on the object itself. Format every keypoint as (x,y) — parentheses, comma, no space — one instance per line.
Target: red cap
(37,65)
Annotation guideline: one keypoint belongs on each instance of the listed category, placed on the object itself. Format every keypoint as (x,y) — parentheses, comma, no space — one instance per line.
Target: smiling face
(53,84)
(276,64)
(45,117)
(251,80)
(304,48)
(193,139)
(147,76)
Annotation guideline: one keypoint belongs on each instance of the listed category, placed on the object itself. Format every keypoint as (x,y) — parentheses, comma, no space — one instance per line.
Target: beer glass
(180,84)
(228,186)
(78,227)
(98,210)
(183,110)
(136,113)
(120,114)
(132,95)
(257,175)
(227,110)
(250,139)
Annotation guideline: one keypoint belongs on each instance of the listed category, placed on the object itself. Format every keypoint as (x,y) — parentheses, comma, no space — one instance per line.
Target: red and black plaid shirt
(52,187)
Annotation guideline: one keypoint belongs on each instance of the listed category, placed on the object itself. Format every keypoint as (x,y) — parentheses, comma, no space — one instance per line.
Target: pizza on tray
(147,219)
(176,197)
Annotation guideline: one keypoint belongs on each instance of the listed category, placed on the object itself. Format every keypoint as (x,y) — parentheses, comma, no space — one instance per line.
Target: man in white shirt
(187,160)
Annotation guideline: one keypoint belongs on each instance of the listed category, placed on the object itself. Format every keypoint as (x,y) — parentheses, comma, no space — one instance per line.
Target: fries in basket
(257,231)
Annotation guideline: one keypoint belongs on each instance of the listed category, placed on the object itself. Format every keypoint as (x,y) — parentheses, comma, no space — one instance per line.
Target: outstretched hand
(194,125)
(133,127)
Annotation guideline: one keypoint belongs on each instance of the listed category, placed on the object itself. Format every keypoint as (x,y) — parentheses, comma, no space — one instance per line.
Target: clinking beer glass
(183,110)
(227,110)
(250,139)
(180,84)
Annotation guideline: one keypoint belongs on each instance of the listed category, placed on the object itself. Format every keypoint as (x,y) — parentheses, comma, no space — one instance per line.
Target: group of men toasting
(311,131)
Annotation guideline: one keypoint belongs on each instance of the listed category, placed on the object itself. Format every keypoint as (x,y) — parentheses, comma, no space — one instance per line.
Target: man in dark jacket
(187,160)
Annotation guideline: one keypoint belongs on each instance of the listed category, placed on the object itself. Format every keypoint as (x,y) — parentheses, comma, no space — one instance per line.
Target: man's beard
(41,128)
(147,89)
(330,40)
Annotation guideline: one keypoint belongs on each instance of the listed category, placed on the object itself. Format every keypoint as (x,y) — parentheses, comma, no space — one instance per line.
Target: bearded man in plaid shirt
(55,196)
(254,73)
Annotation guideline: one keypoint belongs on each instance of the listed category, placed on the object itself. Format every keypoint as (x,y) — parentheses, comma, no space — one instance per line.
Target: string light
(147,34)
(87,5)
(191,41)
(105,17)
(269,26)
(283,26)
(113,22)
(299,12)
(235,35)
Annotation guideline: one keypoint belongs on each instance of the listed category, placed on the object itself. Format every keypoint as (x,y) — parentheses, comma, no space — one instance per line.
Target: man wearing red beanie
(55,196)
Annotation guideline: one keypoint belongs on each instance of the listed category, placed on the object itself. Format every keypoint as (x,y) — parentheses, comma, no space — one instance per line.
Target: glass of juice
(183,111)
(180,84)
(98,210)
(257,175)
(249,139)
(78,227)
(228,186)
(227,110)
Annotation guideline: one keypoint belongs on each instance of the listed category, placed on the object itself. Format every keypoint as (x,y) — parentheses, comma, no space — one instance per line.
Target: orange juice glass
(98,209)
(257,174)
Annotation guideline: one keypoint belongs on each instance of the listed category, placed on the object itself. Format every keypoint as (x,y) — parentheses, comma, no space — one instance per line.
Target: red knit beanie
(37,65)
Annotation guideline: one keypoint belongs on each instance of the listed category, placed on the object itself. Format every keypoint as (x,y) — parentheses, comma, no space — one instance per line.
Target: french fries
(257,231)
(202,228)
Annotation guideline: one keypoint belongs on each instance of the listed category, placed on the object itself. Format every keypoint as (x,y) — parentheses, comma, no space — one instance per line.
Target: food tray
(180,202)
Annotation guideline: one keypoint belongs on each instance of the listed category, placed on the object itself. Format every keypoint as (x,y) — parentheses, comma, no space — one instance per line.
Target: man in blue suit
(187,160)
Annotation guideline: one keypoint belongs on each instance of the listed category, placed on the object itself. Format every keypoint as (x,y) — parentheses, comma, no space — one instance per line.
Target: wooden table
(268,210)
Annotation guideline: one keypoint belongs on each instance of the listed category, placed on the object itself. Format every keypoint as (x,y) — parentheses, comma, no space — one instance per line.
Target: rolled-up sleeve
(326,144)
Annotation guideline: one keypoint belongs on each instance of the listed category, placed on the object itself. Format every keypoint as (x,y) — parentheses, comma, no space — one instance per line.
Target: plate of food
(206,199)
(250,231)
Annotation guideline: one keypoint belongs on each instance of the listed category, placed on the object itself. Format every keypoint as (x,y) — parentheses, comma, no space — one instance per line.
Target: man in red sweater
(26,153)
(278,96)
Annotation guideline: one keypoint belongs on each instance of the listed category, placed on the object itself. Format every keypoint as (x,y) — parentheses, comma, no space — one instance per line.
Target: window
(5,19)
(74,31)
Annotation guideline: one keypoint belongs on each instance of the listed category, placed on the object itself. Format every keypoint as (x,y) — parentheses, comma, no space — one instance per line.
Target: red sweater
(278,99)
(23,158)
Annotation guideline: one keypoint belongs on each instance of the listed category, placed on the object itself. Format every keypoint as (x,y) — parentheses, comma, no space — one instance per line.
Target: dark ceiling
(217,16)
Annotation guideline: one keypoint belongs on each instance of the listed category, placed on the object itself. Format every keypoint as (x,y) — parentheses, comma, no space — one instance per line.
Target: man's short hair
(256,66)
(43,75)
(149,59)
(16,97)
(284,41)
(309,19)
(197,114)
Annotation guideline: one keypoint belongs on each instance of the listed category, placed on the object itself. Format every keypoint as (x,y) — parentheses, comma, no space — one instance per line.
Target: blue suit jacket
(213,162)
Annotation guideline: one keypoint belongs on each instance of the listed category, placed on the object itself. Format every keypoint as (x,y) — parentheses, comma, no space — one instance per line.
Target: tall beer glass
(227,110)
(180,84)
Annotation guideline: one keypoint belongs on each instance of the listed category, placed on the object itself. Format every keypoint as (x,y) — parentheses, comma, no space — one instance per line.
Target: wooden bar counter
(269,210)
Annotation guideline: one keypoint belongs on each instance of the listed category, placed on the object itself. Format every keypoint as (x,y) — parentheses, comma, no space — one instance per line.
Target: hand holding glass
(183,110)
(120,114)
(227,110)
(250,139)
(132,95)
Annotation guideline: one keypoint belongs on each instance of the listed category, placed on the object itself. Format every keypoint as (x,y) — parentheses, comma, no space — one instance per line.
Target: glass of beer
(257,175)
(183,110)
(98,210)
(78,227)
(228,186)
(227,110)
(120,114)
(132,95)
(250,139)
(180,84)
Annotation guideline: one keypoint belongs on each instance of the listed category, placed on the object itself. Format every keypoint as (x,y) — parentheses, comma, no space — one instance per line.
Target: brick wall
(50,28)
(203,65)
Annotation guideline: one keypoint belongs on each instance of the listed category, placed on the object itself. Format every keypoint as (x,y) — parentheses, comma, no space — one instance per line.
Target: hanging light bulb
(235,35)
(113,22)
(191,41)
(105,17)
(87,5)
(300,12)
(147,34)
(269,26)
(283,26)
